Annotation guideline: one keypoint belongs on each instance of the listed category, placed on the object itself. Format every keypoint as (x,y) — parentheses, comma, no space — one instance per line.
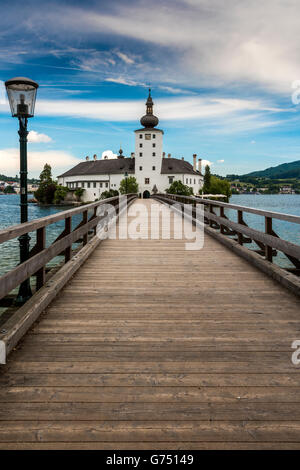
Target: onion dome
(149,120)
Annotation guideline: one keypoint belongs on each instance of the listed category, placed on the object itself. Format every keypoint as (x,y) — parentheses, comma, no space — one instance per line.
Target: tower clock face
(147,136)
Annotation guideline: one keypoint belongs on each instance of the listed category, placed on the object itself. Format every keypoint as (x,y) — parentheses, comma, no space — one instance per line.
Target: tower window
(153,145)
(141,136)
(141,168)
(153,136)
(141,145)
(147,180)
(141,154)
(153,154)
(153,168)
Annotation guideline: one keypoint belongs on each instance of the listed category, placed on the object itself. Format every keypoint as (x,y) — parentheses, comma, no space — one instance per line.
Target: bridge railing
(40,254)
(268,242)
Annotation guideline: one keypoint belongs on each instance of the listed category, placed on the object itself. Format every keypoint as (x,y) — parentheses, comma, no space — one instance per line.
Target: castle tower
(148,151)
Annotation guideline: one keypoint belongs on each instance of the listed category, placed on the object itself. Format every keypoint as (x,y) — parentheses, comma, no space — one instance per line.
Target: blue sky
(221,74)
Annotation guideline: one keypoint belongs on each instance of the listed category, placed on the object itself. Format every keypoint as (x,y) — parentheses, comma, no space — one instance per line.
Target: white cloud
(123,81)
(108,154)
(35,137)
(125,58)
(187,108)
(59,160)
(204,163)
(252,142)
(220,161)
(234,43)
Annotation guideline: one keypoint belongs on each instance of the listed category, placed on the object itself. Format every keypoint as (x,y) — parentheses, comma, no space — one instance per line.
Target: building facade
(153,171)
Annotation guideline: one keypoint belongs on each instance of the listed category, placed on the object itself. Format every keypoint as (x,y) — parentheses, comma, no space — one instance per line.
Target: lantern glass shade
(21,94)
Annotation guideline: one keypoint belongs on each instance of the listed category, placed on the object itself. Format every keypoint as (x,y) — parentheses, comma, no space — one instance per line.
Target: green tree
(207,178)
(60,193)
(177,187)
(218,186)
(9,190)
(110,193)
(47,187)
(129,185)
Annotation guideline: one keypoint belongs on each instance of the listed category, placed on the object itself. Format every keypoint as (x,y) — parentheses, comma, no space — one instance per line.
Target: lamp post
(21,94)
(126,176)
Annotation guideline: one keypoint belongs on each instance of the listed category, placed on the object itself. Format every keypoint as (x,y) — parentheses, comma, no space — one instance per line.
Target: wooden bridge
(149,345)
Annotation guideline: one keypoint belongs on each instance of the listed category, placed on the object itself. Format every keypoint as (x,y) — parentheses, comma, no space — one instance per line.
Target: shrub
(177,187)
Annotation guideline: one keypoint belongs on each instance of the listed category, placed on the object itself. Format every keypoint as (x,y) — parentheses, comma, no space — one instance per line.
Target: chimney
(200,165)
(87,158)
(182,158)
(164,154)
(169,155)
(194,162)
(95,157)
(132,154)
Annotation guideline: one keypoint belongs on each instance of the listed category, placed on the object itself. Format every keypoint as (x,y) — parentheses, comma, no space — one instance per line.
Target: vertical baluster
(68,251)
(222,214)
(268,230)
(240,221)
(41,245)
(95,215)
(211,210)
(85,219)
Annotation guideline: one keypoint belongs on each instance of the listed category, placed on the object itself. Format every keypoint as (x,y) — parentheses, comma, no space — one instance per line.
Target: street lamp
(21,94)
(126,176)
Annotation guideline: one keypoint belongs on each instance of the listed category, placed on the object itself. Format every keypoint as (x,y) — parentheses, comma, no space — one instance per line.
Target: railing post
(268,230)
(85,220)
(222,214)
(95,215)
(40,246)
(68,251)
(240,221)
(211,210)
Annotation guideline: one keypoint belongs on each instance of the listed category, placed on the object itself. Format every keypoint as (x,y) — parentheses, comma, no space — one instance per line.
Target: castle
(153,171)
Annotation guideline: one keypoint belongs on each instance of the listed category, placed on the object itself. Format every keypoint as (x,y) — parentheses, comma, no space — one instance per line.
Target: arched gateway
(146,194)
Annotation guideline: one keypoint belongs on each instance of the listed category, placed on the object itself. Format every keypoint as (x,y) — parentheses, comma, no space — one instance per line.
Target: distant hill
(283,171)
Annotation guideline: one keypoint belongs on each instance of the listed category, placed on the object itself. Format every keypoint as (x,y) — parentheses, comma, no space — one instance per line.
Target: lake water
(10,215)
(286,203)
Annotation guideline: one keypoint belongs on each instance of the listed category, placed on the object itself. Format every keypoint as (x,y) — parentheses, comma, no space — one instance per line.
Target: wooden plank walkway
(152,346)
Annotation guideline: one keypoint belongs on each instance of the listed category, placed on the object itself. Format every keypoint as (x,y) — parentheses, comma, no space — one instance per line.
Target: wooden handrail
(40,255)
(15,231)
(268,241)
(275,215)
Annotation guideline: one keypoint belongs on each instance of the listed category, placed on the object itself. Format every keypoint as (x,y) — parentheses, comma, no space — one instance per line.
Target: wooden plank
(239,411)
(150,394)
(143,380)
(156,431)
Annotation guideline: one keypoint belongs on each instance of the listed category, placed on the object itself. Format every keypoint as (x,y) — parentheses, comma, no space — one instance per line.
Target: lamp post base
(24,293)
(25,289)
